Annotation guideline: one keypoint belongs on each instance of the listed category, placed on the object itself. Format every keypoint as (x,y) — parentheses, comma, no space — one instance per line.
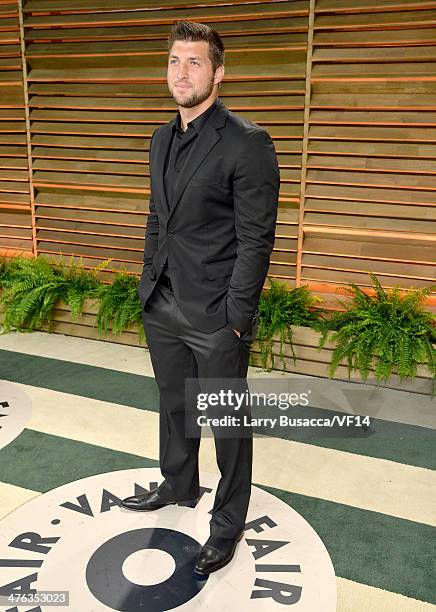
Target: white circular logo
(78,538)
(15,410)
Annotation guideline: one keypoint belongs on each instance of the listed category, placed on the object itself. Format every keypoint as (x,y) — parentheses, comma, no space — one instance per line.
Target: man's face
(190,75)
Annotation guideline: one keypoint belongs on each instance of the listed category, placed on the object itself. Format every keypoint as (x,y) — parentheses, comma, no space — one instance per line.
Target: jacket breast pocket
(207,179)
(219,269)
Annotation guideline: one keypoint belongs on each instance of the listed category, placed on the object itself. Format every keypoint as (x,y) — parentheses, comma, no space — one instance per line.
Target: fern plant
(388,332)
(33,286)
(80,284)
(3,270)
(279,308)
(120,306)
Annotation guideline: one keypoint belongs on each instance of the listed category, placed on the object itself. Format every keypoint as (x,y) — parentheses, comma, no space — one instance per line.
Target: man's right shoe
(152,500)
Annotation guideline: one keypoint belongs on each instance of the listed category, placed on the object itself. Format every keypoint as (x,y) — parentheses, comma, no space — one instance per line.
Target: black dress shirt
(178,151)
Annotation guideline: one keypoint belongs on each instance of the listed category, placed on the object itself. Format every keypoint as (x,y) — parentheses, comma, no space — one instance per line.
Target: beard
(196,97)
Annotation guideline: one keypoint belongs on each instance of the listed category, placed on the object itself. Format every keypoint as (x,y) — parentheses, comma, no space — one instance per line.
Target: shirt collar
(198,122)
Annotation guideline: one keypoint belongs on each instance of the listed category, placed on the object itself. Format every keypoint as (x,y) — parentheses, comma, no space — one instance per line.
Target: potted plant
(388,331)
(31,288)
(280,308)
(120,306)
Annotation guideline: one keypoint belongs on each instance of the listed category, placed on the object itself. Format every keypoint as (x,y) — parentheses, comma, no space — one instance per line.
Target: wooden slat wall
(369,202)
(15,207)
(346,89)
(97,91)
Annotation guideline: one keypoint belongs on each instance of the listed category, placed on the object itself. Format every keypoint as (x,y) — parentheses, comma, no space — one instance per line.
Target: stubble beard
(196,97)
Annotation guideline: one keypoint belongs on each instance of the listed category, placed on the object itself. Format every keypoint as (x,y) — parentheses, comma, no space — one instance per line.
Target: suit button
(170,233)
(162,265)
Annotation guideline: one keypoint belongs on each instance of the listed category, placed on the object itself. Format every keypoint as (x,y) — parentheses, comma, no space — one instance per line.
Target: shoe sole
(223,564)
(190,503)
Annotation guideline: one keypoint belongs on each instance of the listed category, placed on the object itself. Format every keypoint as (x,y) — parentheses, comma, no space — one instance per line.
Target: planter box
(310,360)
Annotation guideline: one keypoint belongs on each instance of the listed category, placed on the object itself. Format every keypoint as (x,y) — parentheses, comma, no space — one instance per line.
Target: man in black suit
(209,236)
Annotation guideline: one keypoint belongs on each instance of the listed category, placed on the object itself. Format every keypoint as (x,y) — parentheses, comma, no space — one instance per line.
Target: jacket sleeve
(152,227)
(256,187)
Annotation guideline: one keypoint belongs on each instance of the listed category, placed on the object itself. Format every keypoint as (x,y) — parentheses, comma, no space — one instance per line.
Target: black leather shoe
(152,500)
(216,553)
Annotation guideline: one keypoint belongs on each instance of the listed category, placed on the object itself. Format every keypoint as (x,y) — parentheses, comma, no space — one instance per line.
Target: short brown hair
(190,30)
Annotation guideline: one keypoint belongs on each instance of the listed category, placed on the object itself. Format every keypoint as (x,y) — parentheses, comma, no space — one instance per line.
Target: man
(209,236)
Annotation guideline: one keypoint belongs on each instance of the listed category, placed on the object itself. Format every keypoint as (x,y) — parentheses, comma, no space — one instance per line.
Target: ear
(219,75)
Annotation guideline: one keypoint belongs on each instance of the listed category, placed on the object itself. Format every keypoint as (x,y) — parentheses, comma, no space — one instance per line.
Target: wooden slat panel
(359,20)
(377,133)
(372,209)
(134,157)
(256,101)
(338,276)
(81,202)
(15,229)
(370,6)
(153,15)
(82,6)
(234,44)
(402,36)
(88,166)
(371,247)
(154,91)
(370,174)
(372,194)
(99,251)
(371,152)
(418,271)
(376,164)
(391,119)
(272,116)
(91,116)
(374,54)
(371,101)
(252,27)
(348,221)
(406,181)
(357,156)
(91,216)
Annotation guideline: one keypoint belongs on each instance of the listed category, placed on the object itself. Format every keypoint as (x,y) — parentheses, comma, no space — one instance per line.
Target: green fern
(279,308)
(33,286)
(387,332)
(81,284)
(3,270)
(120,306)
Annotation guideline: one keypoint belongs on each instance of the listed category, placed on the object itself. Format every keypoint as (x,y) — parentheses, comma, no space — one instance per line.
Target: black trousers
(179,351)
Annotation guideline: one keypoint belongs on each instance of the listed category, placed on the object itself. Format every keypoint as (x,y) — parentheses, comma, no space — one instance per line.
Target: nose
(182,71)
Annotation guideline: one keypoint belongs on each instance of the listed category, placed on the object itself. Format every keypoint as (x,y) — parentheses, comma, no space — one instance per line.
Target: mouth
(183,86)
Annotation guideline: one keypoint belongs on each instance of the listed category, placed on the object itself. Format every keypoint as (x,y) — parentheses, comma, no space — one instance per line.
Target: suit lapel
(208,138)
(202,146)
(160,153)
(206,141)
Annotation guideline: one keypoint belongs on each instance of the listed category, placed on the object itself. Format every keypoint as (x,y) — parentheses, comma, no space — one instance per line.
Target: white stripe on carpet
(374,484)
(388,404)
(12,496)
(356,597)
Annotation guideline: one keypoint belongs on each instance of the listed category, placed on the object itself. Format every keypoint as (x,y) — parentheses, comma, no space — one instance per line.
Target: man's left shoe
(216,553)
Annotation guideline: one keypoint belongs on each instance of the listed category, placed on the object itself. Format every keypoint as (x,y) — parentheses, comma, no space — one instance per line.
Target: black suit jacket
(218,233)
